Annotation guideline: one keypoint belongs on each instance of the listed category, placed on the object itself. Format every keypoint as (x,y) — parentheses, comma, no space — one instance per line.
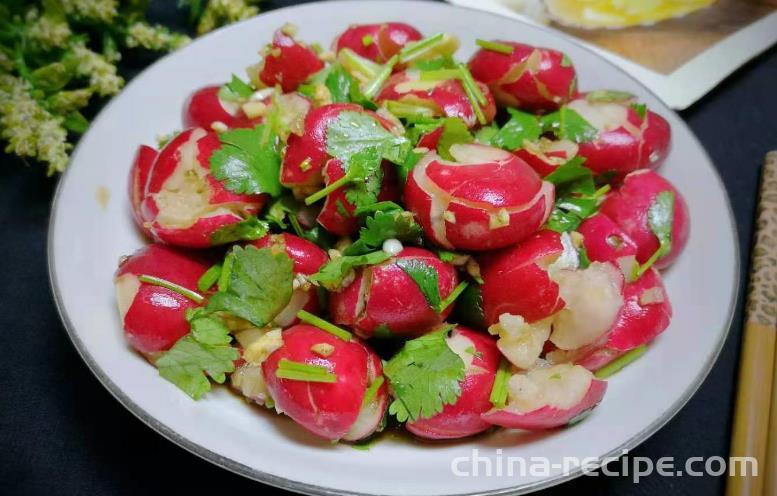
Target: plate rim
(312,489)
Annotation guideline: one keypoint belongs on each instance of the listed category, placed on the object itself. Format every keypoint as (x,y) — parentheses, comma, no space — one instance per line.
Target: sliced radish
(549,397)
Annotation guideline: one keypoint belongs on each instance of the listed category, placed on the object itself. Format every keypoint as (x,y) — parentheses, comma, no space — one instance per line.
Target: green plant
(57,56)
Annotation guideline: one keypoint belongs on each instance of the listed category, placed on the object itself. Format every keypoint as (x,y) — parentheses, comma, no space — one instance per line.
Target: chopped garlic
(322,349)
(520,342)
(651,296)
(219,127)
(392,246)
(258,351)
(501,219)
(254,109)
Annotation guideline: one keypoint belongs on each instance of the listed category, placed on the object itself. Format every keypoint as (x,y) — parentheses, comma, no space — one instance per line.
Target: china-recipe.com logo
(477,464)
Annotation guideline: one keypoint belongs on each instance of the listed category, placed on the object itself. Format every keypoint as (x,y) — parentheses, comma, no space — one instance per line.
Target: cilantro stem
(353,62)
(495,46)
(440,75)
(226,272)
(414,50)
(639,270)
(376,84)
(310,200)
(470,82)
(297,371)
(372,391)
(602,191)
(476,97)
(209,278)
(324,325)
(401,109)
(619,363)
(476,106)
(157,281)
(294,221)
(448,301)
(498,396)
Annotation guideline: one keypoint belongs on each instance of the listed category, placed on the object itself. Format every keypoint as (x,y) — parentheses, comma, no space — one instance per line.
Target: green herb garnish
(298,371)
(495,46)
(258,285)
(424,377)
(176,288)
(322,324)
(619,363)
(248,161)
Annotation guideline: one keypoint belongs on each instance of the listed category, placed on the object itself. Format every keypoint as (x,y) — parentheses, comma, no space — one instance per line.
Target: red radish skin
(604,240)
(383,298)
(385,40)
(445,98)
(639,322)
(306,155)
(204,108)
(307,256)
(337,214)
(548,417)
(431,140)
(625,141)
(490,199)
(508,273)
(288,63)
(141,166)
(307,259)
(545,156)
(193,217)
(531,78)
(154,318)
(628,207)
(328,410)
(463,418)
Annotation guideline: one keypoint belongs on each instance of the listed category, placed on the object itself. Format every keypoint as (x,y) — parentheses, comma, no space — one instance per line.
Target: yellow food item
(592,14)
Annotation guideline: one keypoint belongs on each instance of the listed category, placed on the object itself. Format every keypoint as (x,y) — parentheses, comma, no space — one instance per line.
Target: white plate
(87,240)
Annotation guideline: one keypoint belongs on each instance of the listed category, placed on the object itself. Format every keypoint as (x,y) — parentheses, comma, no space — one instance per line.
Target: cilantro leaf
(454,132)
(424,377)
(258,286)
(565,123)
(425,277)
(248,161)
(188,361)
(344,88)
(334,272)
(660,219)
(640,109)
(562,221)
(486,134)
(353,132)
(382,206)
(207,328)
(364,172)
(443,62)
(521,127)
(576,195)
(573,177)
(236,90)
(245,230)
(381,226)
(281,210)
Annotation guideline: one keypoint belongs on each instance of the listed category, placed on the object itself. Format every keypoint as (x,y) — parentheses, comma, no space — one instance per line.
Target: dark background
(61,432)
